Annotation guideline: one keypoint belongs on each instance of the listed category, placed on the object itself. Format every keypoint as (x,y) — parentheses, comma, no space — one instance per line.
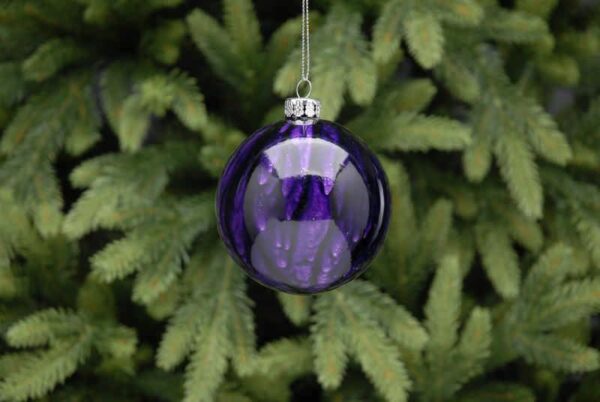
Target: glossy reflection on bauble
(303,208)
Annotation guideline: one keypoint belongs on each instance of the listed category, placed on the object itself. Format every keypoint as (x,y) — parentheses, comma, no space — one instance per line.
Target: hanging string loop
(308,85)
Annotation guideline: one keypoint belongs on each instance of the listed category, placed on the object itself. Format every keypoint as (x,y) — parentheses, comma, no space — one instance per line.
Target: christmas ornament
(302,205)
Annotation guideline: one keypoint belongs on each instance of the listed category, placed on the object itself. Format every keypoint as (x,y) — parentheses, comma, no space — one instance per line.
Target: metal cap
(302,110)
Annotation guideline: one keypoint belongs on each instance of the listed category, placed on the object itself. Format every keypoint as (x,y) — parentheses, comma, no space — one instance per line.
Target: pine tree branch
(499,259)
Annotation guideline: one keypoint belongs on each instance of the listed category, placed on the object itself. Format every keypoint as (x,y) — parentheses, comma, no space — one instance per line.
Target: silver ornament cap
(302,110)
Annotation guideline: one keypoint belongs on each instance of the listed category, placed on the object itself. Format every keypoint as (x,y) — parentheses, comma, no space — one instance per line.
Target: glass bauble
(303,208)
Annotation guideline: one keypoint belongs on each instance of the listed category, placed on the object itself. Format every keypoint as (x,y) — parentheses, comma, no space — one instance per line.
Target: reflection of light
(301,254)
(382,209)
(263,200)
(351,203)
(306,156)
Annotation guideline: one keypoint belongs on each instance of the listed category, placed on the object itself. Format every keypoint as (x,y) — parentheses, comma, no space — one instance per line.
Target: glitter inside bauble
(303,208)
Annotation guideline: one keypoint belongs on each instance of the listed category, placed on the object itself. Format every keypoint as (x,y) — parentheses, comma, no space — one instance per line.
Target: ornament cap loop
(309,87)
(302,110)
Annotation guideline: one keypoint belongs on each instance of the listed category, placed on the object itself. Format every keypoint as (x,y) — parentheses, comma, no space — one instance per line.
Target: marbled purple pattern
(303,208)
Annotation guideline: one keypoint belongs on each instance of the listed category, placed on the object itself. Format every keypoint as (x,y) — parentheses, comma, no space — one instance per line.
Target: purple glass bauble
(303,208)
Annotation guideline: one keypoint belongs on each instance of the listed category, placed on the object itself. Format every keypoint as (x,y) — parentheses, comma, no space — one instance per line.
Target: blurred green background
(117,117)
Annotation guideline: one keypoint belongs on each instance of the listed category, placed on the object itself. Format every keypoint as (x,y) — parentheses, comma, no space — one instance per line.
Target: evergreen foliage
(117,118)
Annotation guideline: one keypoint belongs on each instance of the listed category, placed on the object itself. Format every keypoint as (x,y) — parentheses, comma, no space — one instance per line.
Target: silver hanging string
(305,67)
